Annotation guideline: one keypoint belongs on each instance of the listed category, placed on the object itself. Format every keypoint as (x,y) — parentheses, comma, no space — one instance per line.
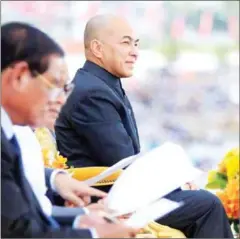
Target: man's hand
(99,208)
(105,229)
(75,191)
(96,207)
(190,186)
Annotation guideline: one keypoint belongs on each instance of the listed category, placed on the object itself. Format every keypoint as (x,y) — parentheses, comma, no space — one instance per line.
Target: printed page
(151,177)
(152,212)
(120,165)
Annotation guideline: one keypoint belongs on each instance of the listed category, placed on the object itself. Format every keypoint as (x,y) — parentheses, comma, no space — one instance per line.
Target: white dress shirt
(33,165)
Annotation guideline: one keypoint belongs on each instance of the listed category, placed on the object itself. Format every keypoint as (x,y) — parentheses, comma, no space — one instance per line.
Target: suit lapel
(6,147)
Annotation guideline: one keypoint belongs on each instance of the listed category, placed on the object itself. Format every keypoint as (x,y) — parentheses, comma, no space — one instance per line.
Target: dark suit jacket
(21,214)
(96,126)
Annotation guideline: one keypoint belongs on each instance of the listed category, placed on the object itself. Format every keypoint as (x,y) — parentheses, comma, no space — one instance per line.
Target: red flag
(206,23)
(23,6)
(153,18)
(233,28)
(178,27)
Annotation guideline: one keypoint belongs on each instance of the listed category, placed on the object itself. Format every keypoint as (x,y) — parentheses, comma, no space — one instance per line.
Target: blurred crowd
(197,113)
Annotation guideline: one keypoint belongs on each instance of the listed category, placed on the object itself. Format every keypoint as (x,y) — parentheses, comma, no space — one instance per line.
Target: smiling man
(96,126)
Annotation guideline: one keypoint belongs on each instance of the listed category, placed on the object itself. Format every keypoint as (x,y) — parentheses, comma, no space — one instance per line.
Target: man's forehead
(120,28)
(58,68)
(121,34)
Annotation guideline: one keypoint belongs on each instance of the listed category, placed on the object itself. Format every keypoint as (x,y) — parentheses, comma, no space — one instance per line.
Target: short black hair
(23,42)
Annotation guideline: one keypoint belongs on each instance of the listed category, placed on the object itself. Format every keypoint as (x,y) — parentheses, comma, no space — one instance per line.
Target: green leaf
(222,179)
(213,185)
(221,175)
(218,182)
(236,226)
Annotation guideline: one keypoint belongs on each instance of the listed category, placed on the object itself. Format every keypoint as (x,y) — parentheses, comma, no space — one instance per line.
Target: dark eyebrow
(130,39)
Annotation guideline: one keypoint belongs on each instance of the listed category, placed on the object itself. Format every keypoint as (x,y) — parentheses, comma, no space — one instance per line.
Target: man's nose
(134,52)
(61,98)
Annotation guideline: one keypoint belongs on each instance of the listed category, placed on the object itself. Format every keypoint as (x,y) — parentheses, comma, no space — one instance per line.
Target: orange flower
(60,162)
(52,160)
(230,198)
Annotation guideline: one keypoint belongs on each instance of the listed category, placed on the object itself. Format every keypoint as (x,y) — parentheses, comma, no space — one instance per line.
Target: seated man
(28,80)
(34,169)
(96,126)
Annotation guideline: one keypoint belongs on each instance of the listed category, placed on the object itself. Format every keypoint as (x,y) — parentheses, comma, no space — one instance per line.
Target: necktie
(15,145)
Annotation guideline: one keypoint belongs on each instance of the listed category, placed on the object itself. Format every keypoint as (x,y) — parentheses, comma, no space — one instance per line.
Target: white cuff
(52,178)
(94,233)
(86,210)
(76,222)
(92,230)
(77,218)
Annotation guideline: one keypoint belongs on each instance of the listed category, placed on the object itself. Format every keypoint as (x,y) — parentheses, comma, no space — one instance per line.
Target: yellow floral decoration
(225,179)
(51,157)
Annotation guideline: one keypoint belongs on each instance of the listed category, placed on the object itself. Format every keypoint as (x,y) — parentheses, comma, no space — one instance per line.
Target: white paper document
(152,212)
(109,171)
(151,177)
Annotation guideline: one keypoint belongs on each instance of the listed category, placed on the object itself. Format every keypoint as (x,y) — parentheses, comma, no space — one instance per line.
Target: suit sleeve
(17,218)
(98,121)
(66,215)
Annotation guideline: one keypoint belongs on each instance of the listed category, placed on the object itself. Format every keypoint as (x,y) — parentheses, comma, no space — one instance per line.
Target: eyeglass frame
(55,91)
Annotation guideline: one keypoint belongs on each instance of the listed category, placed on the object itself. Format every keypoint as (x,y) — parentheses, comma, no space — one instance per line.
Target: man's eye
(126,42)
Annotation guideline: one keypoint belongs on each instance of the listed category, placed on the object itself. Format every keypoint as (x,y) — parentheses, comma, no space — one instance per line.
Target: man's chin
(36,122)
(127,74)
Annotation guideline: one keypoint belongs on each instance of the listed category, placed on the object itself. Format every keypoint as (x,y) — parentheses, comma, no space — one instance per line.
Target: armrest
(66,216)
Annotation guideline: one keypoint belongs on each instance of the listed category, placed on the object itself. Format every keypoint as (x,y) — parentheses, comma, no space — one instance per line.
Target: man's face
(58,96)
(30,95)
(54,106)
(120,49)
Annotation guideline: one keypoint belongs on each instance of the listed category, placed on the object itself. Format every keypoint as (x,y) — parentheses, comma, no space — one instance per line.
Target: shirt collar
(6,123)
(100,72)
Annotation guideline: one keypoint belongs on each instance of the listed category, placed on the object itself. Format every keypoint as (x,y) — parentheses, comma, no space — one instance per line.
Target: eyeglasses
(55,91)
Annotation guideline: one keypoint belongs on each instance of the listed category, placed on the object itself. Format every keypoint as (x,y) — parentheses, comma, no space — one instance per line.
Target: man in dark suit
(28,82)
(96,127)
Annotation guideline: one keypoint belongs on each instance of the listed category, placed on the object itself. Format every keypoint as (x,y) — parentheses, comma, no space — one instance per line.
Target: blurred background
(186,82)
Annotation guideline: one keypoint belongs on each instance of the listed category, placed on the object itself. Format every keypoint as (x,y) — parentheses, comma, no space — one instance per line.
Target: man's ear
(96,48)
(20,76)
